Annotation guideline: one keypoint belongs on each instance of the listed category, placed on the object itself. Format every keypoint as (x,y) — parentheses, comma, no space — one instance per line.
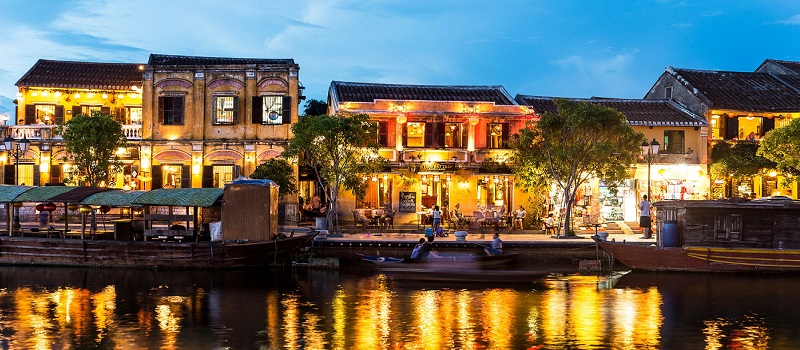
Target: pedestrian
(437,218)
(644,216)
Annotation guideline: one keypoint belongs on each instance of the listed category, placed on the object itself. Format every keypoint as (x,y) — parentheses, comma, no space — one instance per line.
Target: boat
(734,235)
(457,260)
(452,274)
(239,231)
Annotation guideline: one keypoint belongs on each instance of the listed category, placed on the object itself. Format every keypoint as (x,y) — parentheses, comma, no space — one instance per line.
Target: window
(45,114)
(225,109)
(170,110)
(454,135)
(171,176)
(497,135)
(272,110)
(728,227)
(668,92)
(674,141)
(383,134)
(222,174)
(133,115)
(415,134)
(26,174)
(87,110)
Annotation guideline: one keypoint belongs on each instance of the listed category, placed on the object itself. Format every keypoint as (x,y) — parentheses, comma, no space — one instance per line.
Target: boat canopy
(184,197)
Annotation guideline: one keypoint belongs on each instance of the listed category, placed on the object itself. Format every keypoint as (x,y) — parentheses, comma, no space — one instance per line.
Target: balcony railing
(48,132)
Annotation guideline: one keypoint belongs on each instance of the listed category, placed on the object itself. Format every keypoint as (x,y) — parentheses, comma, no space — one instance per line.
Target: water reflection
(74,308)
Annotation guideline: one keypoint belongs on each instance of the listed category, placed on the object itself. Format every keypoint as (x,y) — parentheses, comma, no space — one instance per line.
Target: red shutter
(287,110)
(258,106)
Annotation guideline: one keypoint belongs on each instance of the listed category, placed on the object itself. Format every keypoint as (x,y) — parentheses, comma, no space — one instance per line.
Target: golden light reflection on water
(379,313)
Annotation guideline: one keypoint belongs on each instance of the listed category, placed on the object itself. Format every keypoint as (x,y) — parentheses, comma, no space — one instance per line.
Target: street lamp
(649,152)
(16,149)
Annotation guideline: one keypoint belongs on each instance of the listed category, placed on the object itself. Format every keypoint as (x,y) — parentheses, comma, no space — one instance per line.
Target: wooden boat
(153,254)
(462,275)
(718,236)
(465,260)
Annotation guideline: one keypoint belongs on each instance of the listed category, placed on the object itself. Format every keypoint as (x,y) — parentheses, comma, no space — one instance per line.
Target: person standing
(644,216)
(437,218)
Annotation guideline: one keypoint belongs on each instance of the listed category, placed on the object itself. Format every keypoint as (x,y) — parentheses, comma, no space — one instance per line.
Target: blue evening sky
(567,48)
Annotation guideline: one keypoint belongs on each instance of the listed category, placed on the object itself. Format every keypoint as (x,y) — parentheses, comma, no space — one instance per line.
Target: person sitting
(417,248)
(426,251)
(548,224)
(480,219)
(497,246)
(519,217)
(360,218)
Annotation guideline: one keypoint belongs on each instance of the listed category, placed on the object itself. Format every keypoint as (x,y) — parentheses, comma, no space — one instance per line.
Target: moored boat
(461,260)
(718,236)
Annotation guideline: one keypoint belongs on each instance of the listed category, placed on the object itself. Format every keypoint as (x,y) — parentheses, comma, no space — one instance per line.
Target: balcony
(48,132)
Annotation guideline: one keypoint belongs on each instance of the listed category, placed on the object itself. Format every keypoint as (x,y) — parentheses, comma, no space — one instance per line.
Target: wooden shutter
(119,115)
(161,109)
(464,135)
(258,106)
(767,125)
(55,174)
(208,176)
(157,181)
(36,177)
(383,134)
(405,135)
(439,134)
(106,110)
(732,128)
(235,172)
(30,114)
(235,109)
(430,133)
(186,176)
(504,138)
(287,110)
(177,110)
(76,110)
(58,117)
(8,174)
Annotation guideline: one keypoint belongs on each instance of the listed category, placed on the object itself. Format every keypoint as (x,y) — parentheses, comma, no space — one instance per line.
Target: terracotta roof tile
(744,91)
(175,60)
(369,92)
(82,75)
(637,112)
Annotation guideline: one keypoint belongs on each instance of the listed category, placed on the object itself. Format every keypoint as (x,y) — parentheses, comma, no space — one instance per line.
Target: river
(73,308)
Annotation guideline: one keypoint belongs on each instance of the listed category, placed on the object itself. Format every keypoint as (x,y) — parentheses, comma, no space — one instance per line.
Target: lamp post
(649,152)
(16,149)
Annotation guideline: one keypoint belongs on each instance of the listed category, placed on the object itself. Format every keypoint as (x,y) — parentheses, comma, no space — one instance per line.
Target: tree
(280,171)
(341,150)
(315,107)
(737,161)
(782,146)
(579,142)
(91,146)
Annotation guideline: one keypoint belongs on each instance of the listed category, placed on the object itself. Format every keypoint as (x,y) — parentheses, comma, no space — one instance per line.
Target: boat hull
(130,254)
(462,261)
(702,258)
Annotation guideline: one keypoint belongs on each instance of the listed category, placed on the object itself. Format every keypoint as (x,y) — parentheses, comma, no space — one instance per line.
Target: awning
(77,194)
(117,198)
(184,197)
(42,194)
(9,192)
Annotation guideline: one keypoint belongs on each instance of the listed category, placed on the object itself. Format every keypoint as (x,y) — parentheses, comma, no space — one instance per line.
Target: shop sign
(408,202)
(437,167)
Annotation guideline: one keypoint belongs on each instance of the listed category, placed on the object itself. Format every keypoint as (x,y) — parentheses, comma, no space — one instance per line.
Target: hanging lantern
(85,209)
(40,207)
(401,119)
(473,120)
(72,207)
(105,209)
(51,207)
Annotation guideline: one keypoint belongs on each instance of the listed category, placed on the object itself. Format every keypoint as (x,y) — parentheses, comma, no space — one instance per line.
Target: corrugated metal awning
(42,194)
(116,198)
(9,192)
(184,197)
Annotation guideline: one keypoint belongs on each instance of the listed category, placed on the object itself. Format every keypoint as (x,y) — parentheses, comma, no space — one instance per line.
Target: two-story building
(677,172)
(446,145)
(190,121)
(739,107)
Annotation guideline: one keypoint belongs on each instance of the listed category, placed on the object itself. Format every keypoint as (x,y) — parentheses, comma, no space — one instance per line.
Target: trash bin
(123,229)
(669,234)
(321,222)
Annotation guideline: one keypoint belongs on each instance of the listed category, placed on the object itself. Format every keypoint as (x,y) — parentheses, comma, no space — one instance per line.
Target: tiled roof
(789,65)
(743,91)
(637,112)
(82,75)
(174,60)
(369,92)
